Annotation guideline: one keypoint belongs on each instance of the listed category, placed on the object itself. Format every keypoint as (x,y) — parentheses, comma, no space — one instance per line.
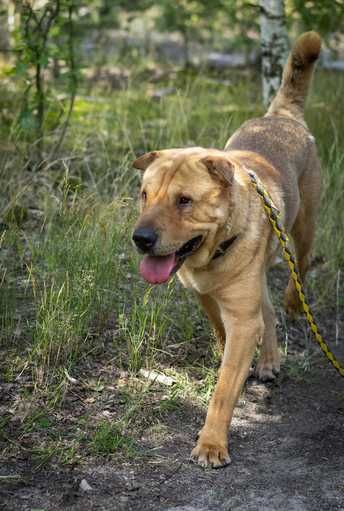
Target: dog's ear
(220,169)
(142,162)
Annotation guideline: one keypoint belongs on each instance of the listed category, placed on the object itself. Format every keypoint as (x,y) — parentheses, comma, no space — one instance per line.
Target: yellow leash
(273,215)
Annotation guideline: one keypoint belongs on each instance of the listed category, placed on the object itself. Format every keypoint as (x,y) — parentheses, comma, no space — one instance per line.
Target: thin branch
(73,82)
(36,31)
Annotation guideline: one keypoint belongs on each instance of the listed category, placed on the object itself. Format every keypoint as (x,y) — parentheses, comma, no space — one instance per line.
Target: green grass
(109,439)
(69,284)
(77,280)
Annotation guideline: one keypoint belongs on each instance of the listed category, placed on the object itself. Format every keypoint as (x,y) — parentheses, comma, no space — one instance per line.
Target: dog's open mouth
(158,269)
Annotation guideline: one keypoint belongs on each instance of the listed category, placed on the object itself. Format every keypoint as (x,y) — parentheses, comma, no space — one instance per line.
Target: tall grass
(74,276)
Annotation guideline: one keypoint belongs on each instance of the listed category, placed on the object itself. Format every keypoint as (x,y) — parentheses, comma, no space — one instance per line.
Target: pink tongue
(157,270)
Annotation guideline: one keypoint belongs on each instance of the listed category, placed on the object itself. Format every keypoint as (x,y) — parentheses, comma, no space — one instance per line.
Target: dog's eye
(144,195)
(184,201)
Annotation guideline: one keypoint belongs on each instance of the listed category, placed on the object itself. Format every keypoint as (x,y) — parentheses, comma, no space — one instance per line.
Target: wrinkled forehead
(182,174)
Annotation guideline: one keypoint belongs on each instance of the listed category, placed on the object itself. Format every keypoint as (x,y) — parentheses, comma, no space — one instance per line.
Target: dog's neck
(236,222)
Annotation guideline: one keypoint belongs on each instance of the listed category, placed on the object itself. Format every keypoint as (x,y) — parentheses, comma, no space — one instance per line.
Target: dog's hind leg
(213,312)
(303,240)
(302,233)
(268,365)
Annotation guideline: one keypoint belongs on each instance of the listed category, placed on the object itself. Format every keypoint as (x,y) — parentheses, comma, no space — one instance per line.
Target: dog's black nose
(145,238)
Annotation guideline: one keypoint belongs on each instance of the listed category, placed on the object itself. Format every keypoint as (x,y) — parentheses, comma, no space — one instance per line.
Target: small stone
(155,376)
(84,486)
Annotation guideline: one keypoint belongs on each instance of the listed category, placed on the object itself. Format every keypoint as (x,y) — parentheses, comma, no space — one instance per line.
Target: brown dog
(201,216)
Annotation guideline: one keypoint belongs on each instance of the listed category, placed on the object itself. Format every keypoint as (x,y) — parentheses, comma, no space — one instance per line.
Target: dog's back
(282,141)
(282,137)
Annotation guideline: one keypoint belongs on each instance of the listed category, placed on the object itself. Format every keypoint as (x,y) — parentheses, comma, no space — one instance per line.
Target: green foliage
(188,17)
(326,16)
(43,40)
(242,19)
(203,20)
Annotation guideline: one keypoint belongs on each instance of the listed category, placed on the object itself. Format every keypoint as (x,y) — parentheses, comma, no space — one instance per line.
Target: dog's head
(185,201)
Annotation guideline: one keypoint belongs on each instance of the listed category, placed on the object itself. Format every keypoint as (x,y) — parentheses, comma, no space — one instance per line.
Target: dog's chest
(197,280)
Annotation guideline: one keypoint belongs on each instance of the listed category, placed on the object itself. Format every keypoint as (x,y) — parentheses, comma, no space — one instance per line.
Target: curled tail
(296,78)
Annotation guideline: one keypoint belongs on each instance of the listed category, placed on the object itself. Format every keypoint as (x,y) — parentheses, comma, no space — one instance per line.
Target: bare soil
(287,448)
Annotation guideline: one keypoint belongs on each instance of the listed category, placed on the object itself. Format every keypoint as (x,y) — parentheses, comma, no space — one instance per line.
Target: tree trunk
(274,46)
(5,11)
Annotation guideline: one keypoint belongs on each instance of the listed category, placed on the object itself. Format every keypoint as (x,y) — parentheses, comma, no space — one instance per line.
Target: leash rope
(273,215)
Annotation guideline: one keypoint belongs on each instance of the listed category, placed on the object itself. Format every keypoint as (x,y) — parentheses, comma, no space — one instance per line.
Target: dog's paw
(266,372)
(292,304)
(267,368)
(210,454)
(293,310)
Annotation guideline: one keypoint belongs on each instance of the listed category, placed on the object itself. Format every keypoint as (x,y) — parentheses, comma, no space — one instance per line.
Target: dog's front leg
(244,327)
(212,310)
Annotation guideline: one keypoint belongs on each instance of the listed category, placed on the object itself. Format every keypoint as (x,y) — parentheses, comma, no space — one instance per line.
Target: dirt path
(287,450)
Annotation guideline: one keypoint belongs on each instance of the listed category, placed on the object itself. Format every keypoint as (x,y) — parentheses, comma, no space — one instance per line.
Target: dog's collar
(223,247)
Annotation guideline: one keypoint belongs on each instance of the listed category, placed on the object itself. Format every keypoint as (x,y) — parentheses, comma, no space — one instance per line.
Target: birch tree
(7,16)
(274,45)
